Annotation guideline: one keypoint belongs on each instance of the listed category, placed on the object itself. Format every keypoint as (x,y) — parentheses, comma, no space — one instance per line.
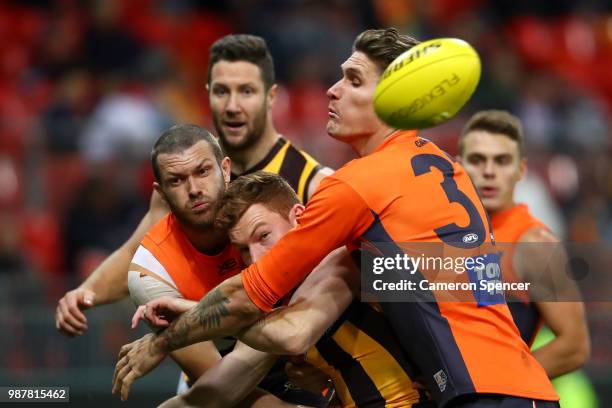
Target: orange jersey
(193,273)
(509,226)
(408,190)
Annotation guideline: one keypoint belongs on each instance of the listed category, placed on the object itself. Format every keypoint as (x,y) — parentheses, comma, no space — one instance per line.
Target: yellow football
(428,84)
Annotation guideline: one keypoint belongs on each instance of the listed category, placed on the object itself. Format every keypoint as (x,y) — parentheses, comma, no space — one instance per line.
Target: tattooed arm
(223,312)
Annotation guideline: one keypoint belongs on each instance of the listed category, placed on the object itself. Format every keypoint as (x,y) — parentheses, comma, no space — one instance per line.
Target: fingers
(71,303)
(159,321)
(124,350)
(121,375)
(135,360)
(122,364)
(154,314)
(67,323)
(123,378)
(150,312)
(138,315)
(127,383)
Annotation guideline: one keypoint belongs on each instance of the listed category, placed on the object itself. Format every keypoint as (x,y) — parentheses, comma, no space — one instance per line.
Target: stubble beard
(252,136)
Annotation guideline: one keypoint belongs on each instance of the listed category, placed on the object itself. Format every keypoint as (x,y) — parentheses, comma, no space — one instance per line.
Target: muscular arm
(571,347)
(229,381)
(314,307)
(222,312)
(108,282)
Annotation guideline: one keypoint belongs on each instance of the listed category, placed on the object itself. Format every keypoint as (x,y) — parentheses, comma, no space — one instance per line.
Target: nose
(233,106)
(334,91)
(489,169)
(194,189)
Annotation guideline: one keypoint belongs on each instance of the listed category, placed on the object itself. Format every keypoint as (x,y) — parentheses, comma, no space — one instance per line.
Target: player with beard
(184,255)
(241,93)
(402,189)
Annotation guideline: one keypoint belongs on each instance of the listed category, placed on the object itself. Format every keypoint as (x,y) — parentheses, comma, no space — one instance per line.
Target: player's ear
(226,169)
(458,158)
(272,95)
(522,168)
(294,213)
(157,187)
(207,88)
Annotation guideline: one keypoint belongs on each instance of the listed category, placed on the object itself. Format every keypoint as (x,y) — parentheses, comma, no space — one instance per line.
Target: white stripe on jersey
(143,257)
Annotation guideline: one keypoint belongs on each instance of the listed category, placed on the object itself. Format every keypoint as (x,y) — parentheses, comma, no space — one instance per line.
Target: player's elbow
(577,352)
(581,353)
(297,342)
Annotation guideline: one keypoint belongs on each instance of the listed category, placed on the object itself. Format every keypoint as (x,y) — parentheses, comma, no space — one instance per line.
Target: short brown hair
(383,45)
(179,138)
(260,187)
(495,121)
(243,47)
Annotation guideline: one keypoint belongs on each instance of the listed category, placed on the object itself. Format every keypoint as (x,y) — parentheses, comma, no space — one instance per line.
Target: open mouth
(234,126)
(488,192)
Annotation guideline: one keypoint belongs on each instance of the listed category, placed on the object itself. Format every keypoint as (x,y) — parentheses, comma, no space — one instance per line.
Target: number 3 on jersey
(462,237)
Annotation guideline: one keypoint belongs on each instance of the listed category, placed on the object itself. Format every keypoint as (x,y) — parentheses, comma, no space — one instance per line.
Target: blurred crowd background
(87,86)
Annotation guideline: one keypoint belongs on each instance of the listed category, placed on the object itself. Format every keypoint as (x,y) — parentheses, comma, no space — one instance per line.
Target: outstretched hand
(136,360)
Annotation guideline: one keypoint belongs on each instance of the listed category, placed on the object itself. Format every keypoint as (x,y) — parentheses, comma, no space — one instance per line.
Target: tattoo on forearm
(176,335)
(208,314)
(212,309)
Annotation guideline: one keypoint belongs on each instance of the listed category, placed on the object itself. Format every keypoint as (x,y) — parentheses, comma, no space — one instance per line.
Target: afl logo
(469,238)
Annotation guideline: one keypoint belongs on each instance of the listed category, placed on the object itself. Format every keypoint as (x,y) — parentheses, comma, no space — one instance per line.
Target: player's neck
(243,160)
(207,240)
(505,207)
(365,145)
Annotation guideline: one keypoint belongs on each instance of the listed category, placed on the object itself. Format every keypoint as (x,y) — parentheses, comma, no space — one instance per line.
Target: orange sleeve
(334,216)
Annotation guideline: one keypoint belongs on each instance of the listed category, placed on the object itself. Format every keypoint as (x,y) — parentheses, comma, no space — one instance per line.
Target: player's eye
(204,171)
(474,160)
(504,160)
(248,91)
(174,181)
(355,82)
(219,91)
(263,236)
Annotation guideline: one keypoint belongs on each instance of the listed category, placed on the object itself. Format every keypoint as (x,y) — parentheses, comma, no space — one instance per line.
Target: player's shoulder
(347,172)
(164,228)
(534,230)
(540,234)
